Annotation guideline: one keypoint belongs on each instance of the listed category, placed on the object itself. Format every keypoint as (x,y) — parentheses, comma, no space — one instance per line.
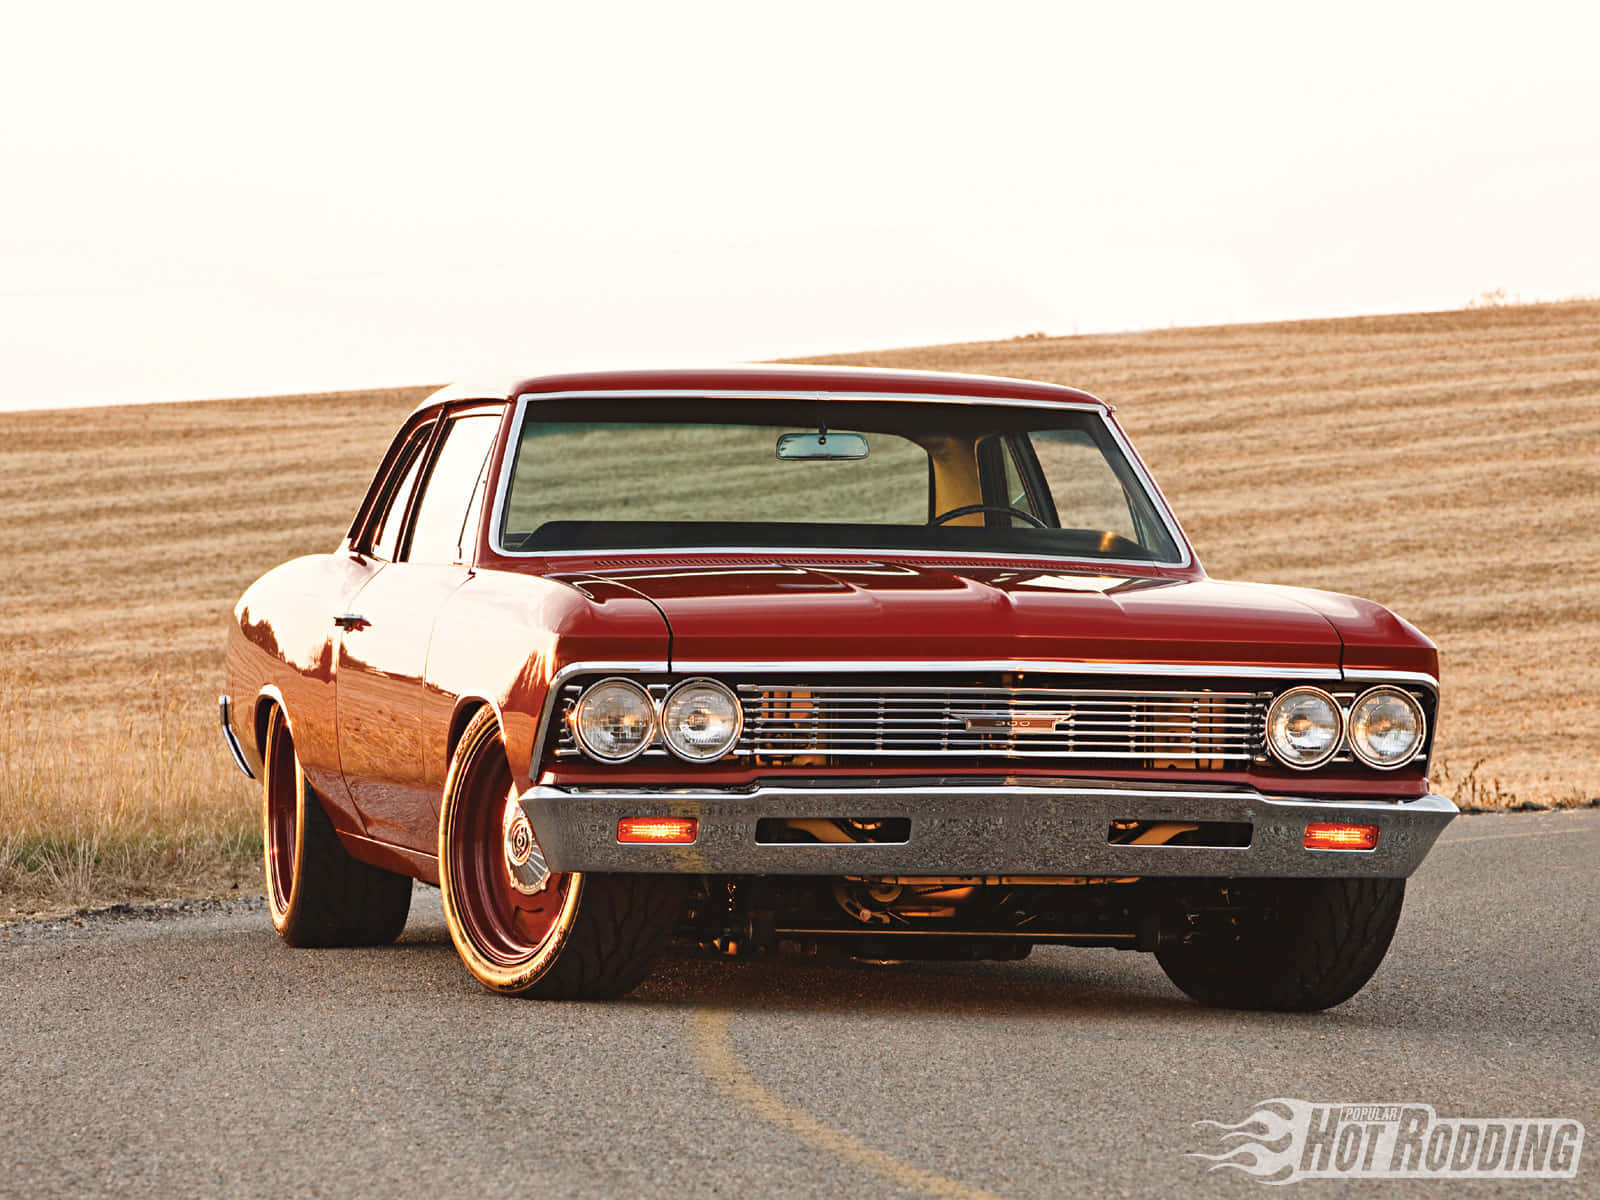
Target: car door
(384,645)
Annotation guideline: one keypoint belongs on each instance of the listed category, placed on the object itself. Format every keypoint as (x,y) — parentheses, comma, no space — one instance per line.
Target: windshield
(602,474)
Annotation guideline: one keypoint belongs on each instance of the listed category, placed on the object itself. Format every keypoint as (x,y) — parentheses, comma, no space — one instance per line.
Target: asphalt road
(193,1055)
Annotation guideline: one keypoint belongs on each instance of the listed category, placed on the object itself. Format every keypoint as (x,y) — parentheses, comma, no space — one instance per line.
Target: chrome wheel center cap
(524,860)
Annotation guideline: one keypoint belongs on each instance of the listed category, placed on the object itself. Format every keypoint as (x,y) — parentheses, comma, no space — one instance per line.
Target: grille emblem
(1014,722)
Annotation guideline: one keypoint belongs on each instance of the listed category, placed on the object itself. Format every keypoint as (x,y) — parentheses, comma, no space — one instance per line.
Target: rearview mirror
(797,447)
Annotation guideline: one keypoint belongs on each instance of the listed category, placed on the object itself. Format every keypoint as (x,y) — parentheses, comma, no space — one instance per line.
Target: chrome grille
(1201,729)
(785,720)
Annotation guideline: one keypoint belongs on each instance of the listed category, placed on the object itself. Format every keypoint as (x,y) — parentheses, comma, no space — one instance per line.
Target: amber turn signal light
(659,831)
(1332,835)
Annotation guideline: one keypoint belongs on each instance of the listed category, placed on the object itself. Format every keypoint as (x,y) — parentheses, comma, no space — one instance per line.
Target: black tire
(318,895)
(623,926)
(1296,945)
(582,936)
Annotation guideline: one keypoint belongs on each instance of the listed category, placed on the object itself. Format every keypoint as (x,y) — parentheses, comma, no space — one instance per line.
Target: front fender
(503,637)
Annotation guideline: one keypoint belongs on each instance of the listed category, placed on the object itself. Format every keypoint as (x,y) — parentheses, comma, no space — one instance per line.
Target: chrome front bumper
(1041,828)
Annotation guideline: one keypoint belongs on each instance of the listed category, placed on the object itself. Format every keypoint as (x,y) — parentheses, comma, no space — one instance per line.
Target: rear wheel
(1291,945)
(520,928)
(317,893)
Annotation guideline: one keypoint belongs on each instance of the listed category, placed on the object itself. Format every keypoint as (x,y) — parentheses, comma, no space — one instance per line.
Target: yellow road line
(1495,837)
(715,1055)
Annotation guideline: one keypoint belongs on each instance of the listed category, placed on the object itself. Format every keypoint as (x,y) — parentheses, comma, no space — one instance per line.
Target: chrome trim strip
(1417,677)
(962,752)
(831,750)
(1157,499)
(225,706)
(1431,802)
(1052,667)
(870,695)
(893,792)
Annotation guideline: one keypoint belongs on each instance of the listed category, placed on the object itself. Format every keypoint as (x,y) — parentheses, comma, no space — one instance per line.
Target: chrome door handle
(351,621)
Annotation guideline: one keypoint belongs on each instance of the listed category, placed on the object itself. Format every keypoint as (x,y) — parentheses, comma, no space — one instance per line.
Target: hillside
(1446,464)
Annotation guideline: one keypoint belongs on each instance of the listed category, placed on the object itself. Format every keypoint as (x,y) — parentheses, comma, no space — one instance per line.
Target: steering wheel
(968,509)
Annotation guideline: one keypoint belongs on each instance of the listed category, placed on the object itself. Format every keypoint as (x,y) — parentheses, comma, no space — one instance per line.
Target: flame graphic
(1268,1141)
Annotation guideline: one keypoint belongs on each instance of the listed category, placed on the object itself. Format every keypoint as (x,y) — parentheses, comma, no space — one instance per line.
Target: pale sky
(216,200)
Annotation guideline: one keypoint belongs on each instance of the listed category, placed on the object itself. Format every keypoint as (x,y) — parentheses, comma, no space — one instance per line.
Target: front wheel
(1290,945)
(520,928)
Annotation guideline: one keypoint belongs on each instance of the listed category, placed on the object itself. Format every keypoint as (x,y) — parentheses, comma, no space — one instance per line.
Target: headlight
(614,720)
(701,719)
(1303,727)
(1386,727)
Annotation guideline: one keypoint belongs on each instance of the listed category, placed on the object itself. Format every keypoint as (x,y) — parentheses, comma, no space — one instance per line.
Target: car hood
(920,614)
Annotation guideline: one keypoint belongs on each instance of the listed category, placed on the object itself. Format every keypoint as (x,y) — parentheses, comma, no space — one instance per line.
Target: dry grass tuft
(141,811)
(1445,464)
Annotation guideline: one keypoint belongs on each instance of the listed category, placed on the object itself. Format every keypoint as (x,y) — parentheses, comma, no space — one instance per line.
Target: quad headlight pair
(616,719)
(1385,727)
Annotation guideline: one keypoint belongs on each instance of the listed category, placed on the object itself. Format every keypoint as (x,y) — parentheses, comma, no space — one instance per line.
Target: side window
(457,476)
(385,537)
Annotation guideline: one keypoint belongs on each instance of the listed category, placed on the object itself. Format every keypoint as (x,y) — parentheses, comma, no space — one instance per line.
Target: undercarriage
(962,917)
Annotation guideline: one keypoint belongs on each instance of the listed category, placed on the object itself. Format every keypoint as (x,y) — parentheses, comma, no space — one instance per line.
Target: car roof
(822,382)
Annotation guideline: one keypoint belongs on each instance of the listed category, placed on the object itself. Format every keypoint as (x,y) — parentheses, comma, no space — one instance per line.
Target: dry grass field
(1446,464)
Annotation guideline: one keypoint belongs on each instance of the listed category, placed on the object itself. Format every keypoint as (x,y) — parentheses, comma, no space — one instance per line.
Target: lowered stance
(898,664)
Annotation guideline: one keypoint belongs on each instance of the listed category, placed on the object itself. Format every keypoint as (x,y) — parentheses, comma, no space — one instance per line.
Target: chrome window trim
(1153,493)
(797,554)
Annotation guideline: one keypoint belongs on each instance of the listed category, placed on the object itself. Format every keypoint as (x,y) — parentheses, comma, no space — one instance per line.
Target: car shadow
(1051,982)
(1048,983)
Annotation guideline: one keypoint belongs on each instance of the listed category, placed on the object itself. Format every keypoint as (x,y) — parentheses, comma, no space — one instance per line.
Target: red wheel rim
(283,815)
(507,926)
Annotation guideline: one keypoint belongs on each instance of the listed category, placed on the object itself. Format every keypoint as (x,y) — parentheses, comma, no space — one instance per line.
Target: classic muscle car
(894,665)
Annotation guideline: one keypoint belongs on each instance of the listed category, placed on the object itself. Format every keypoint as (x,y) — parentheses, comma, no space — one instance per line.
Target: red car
(897,664)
